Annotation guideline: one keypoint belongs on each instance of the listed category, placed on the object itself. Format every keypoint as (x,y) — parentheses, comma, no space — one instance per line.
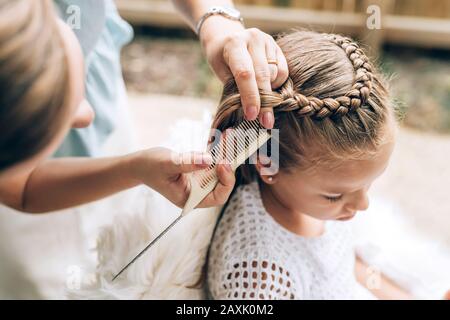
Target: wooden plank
(298,3)
(423,32)
(330,5)
(428,32)
(271,19)
(349,6)
(264,2)
(154,13)
(374,38)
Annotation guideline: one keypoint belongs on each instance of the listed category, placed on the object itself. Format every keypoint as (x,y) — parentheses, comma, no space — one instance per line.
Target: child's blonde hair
(333,106)
(34,79)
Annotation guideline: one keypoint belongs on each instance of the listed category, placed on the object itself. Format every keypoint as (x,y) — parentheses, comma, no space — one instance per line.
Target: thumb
(190,161)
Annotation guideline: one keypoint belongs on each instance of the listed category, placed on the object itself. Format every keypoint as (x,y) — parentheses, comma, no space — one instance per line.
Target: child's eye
(333,199)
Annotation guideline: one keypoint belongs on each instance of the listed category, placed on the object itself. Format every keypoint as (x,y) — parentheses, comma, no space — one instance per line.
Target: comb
(238,145)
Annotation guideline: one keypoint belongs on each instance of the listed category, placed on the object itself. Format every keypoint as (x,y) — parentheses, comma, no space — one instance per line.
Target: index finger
(241,66)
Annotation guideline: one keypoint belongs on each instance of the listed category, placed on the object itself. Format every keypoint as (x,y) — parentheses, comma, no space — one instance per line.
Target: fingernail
(228,167)
(268,120)
(251,113)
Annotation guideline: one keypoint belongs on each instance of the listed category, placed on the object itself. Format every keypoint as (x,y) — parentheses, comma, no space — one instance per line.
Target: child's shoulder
(246,228)
(247,250)
(245,212)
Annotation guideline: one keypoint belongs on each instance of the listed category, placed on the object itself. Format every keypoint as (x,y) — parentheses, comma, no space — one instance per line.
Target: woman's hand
(167,172)
(233,51)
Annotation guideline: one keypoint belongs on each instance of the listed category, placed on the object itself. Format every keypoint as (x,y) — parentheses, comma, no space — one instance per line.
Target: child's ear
(263,165)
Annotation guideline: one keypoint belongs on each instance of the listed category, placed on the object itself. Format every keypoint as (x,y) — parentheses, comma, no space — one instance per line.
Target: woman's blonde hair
(34,79)
(333,106)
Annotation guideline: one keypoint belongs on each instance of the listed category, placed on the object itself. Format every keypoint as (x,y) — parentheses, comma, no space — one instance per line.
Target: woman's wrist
(135,165)
(149,166)
(218,26)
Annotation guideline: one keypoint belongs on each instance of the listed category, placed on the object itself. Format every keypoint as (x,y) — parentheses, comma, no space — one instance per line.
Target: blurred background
(172,90)
(411,46)
(166,74)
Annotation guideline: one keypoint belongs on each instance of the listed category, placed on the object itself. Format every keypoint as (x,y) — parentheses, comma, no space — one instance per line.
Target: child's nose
(360,201)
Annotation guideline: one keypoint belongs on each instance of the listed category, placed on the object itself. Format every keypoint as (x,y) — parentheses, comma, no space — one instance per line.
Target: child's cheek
(321,209)
(331,210)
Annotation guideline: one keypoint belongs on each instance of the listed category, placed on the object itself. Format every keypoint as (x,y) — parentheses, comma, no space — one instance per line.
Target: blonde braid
(306,106)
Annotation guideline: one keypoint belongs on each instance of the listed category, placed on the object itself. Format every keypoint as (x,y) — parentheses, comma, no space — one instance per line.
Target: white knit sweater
(254,257)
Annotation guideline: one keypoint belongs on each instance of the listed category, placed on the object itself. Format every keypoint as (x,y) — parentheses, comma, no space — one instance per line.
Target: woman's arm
(382,287)
(62,183)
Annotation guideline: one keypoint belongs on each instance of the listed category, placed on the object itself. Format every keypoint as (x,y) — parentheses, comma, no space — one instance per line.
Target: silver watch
(227,12)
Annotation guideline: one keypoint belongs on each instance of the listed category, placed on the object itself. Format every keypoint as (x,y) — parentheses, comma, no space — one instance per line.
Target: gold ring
(272,61)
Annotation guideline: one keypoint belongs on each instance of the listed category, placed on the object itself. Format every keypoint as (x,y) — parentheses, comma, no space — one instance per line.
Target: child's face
(336,194)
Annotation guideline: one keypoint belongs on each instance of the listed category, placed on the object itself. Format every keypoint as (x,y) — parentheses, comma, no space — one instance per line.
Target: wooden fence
(418,8)
(412,22)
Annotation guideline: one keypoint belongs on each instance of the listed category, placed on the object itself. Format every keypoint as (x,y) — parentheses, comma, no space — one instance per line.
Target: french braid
(290,99)
(308,106)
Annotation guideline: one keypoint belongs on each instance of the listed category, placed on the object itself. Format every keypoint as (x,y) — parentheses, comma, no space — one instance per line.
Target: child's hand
(159,169)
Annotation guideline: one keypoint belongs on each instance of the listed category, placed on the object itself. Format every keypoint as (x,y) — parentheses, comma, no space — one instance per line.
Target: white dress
(254,257)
